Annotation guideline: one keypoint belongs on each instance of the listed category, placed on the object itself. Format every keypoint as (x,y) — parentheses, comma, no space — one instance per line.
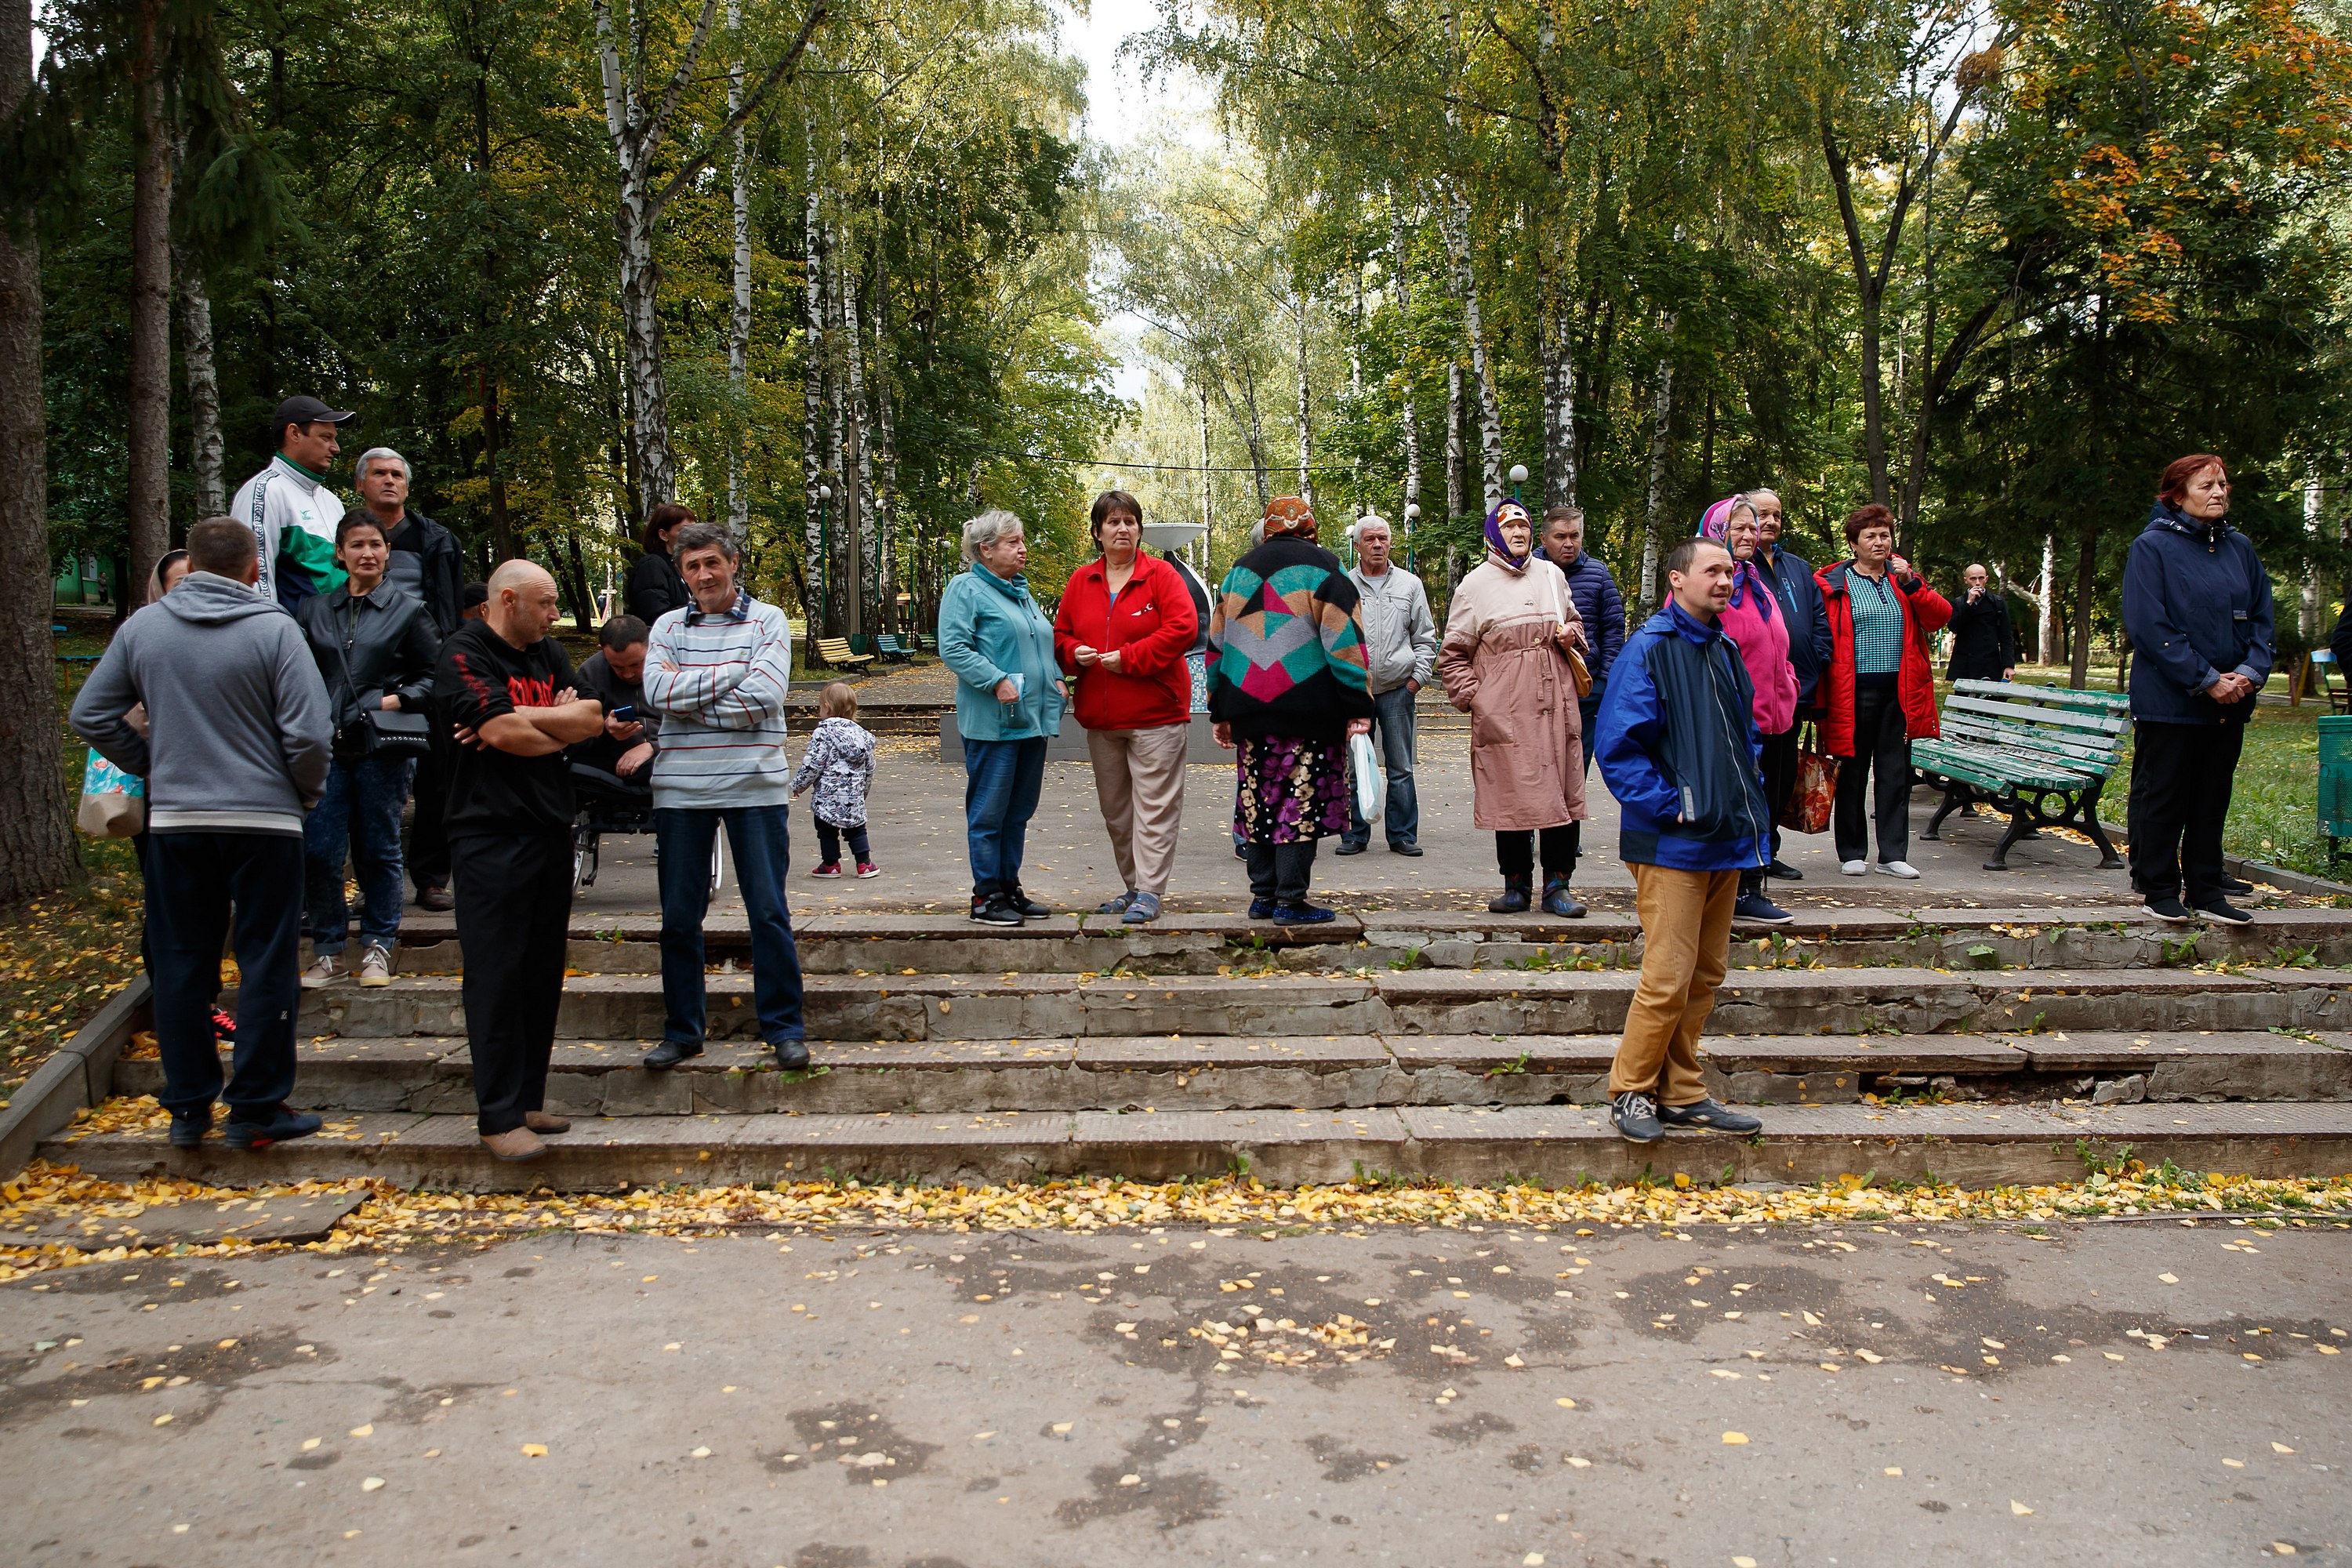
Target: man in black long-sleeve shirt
(1984,642)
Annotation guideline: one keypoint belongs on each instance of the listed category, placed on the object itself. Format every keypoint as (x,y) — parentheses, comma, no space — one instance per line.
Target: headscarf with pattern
(1289,514)
(1502,552)
(1716,523)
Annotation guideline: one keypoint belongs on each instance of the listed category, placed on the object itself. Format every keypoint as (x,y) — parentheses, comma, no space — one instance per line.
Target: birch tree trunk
(203,384)
(860,424)
(36,846)
(1208,515)
(1559,397)
(1456,227)
(1653,523)
(1455,455)
(2313,592)
(149,372)
(2046,625)
(1410,412)
(813,540)
(1306,487)
(738,325)
(886,499)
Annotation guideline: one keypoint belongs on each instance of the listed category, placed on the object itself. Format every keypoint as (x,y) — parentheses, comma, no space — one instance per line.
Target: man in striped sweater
(717,672)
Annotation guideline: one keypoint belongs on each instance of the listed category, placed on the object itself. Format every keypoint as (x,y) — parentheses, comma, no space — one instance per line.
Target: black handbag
(397,732)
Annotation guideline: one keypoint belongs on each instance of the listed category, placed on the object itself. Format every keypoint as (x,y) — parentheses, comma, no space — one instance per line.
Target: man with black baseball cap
(290,510)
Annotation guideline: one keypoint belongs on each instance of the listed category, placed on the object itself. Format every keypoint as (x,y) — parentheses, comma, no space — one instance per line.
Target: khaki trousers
(1139,781)
(1686,945)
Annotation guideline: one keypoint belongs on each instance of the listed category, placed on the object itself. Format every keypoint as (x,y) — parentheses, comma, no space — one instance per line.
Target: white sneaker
(1855,868)
(325,970)
(1903,868)
(375,966)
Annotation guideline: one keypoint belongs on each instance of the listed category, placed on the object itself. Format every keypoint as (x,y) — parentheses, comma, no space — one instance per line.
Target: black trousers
(204,889)
(1514,853)
(1882,758)
(1779,777)
(1281,872)
(828,842)
(514,906)
(429,842)
(2181,777)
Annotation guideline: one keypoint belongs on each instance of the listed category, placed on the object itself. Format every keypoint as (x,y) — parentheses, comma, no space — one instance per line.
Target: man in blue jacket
(1678,749)
(1799,594)
(1602,609)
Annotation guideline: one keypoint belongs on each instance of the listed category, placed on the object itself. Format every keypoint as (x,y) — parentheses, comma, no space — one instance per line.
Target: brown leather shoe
(514,1143)
(546,1121)
(437,899)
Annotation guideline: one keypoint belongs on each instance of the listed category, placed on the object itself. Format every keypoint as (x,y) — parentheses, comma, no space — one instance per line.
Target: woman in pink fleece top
(1754,622)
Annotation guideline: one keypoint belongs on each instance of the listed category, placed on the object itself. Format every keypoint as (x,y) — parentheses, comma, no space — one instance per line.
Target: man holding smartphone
(615,675)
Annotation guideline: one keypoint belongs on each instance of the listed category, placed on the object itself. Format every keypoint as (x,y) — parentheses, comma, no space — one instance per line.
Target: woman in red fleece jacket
(1125,622)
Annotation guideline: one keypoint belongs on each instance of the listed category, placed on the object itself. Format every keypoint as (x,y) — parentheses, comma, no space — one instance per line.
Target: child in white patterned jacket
(839,763)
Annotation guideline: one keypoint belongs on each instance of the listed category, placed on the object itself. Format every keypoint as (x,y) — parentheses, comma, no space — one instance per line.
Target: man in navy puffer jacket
(1678,749)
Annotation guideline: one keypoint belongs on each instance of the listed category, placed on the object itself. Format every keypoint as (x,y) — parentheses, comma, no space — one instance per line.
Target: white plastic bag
(113,803)
(1371,788)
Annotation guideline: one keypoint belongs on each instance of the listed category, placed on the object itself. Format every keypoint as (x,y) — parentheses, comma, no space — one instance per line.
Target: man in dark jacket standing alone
(1678,749)
(236,749)
(1602,608)
(2197,605)
(1984,642)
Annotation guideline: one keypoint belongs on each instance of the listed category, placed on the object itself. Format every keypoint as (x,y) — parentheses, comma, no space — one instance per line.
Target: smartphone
(626,712)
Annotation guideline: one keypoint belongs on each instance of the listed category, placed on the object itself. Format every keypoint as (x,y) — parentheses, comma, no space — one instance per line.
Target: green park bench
(890,648)
(926,643)
(2042,754)
(835,652)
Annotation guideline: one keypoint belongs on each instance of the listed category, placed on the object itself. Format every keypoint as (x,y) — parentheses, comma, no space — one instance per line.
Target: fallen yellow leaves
(534,1450)
(2018,1508)
(1735,1440)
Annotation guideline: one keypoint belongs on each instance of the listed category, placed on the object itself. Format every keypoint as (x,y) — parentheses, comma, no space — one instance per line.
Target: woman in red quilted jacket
(1125,622)
(1878,694)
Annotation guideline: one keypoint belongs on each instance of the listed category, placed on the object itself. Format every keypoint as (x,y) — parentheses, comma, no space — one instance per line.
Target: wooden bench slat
(2056,696)
(2101,759)
(2085,723)
(1993,771)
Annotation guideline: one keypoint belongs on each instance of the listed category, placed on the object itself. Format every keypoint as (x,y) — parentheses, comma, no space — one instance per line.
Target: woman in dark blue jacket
(2197,607)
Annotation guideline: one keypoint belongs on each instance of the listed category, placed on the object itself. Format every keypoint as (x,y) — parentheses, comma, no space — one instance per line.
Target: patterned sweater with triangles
(1285,652)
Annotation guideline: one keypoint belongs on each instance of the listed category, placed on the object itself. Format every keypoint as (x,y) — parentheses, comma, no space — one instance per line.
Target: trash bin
(2336,782)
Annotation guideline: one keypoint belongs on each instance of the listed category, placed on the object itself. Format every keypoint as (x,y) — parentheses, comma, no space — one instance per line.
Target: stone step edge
(1554,1146)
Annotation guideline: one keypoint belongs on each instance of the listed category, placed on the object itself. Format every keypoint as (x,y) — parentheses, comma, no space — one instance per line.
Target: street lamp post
(1411,517)
(1519,477)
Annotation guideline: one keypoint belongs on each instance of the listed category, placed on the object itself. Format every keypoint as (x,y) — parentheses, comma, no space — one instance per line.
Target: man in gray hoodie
(236,748)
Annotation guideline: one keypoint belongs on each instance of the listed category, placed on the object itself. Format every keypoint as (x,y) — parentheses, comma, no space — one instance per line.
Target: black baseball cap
(305,411)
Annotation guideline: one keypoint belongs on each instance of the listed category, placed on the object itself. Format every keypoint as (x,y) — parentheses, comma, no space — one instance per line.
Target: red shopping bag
(1814,795)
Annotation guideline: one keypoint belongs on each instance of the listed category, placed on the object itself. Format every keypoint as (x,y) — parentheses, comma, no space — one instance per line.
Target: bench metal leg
(2088,810)
(1956,797)
(2021,825)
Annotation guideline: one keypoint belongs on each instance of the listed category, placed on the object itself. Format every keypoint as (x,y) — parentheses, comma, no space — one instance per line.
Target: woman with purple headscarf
(1504,663)
(1757,627)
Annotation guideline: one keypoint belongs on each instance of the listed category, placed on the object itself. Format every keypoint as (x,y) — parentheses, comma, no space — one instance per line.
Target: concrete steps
(1973,1146)
(1192,1072)
(1502,1001)
(2102,937)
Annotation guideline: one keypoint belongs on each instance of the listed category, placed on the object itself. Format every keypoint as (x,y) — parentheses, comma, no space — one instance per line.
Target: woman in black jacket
(654,587)
(377,646)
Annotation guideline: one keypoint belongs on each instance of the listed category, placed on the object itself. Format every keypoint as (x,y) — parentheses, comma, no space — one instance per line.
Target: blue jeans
(360,810)
(1588,710)
(1393,726)
(1001,781)
(682,841)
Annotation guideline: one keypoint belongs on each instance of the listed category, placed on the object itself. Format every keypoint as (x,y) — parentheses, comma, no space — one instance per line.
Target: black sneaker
(1261,909)
(669,1053)
(1409,849)
(2169,909)
(1302,914)
(1350,847)
(1028,908)
(2223,909)
(994,911)
(2236,886)
(1559,901)
(189,1127)
(1755,909)
(224,1026)
(1783,869)
(1708,1116)
(793,1056)
(1636,1117)
(1511,901)
(280,1126)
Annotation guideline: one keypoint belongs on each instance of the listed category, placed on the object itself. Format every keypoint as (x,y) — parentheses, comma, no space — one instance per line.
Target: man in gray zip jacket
(1400,648)
(239,736)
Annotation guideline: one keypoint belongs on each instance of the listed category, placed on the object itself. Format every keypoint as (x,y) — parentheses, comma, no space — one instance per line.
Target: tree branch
(783,67)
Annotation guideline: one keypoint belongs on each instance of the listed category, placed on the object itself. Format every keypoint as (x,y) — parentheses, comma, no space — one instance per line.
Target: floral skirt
(1292,790)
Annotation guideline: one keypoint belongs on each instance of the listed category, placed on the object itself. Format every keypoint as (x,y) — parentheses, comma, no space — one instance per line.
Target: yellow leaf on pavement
(1735,1438)
(534,1450)
(2018,1508)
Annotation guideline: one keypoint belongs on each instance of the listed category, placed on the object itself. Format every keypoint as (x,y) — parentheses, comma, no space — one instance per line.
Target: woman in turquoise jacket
(1009,696)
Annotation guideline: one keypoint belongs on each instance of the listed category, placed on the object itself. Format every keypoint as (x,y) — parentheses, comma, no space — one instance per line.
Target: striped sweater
(718,682)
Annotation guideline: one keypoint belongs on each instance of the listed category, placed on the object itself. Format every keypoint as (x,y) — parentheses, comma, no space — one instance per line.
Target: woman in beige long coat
(1504,663)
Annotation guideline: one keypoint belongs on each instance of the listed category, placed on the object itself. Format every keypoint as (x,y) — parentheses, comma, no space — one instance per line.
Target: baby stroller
(611,803)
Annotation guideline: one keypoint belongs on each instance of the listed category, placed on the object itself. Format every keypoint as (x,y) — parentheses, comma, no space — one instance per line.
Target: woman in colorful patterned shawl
(1287,688)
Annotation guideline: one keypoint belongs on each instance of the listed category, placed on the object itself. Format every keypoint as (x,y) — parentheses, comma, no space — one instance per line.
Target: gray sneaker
(1636,1117)
(325,970)
(375,966)
(1708,1116)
